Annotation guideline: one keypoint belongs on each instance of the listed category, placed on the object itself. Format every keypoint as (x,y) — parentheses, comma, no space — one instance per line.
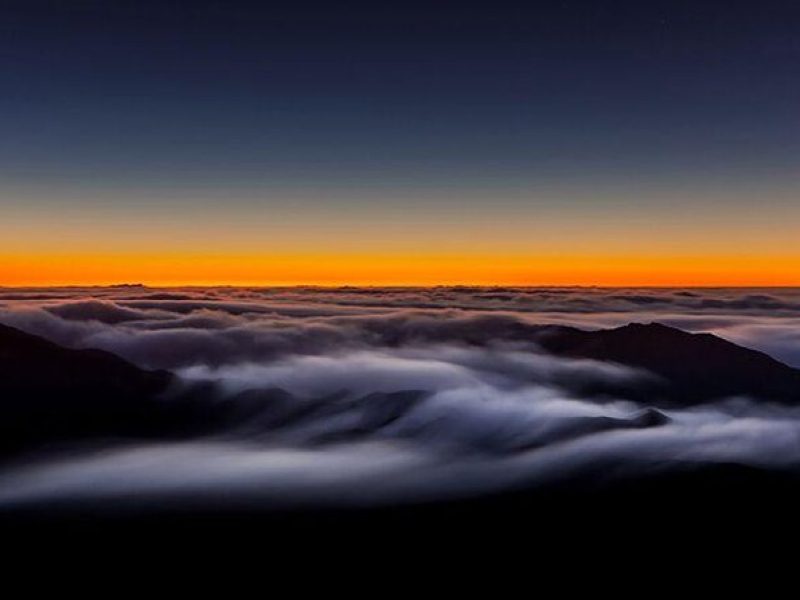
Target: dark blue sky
(531,108)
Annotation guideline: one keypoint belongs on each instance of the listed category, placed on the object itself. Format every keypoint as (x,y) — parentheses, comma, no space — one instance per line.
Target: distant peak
(650,325)
(653,326)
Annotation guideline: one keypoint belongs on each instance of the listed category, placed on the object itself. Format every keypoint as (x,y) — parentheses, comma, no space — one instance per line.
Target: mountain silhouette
(691,367)
(50,393)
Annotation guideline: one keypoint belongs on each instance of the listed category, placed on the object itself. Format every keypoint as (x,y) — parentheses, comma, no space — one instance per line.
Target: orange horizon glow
(666,241)
(400,270)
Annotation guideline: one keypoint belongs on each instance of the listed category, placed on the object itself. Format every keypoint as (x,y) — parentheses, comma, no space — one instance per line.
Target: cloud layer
(396,394)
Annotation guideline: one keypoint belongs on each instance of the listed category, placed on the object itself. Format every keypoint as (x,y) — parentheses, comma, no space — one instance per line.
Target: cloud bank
(357,396)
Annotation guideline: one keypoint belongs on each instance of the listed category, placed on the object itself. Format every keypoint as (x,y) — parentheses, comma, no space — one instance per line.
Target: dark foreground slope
(698,514)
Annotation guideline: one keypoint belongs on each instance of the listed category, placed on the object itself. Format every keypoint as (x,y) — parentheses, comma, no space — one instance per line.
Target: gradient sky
(573,142)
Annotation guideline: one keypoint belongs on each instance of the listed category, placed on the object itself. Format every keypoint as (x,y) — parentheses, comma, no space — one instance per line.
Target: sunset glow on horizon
(371,270)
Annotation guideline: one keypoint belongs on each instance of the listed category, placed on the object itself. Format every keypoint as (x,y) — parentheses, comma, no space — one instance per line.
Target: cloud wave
(397,394)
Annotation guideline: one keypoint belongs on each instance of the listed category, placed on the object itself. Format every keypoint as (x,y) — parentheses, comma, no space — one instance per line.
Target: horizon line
(324,286)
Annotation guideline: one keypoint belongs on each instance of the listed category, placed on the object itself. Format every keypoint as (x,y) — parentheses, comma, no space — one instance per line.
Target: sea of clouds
(398,394)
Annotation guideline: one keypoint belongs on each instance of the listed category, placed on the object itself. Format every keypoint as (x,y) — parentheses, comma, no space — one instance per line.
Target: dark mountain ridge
(692,367)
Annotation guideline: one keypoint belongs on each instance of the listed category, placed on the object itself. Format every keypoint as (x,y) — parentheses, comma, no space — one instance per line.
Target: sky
(564,143)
